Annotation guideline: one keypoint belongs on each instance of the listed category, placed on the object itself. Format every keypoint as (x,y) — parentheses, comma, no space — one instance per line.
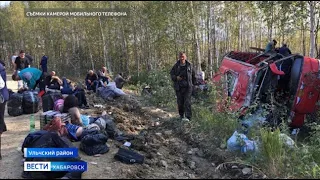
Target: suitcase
(46,117)
(128,156)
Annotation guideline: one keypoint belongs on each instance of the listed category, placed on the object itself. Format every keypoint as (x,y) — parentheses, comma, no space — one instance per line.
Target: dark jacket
(4,91)
(175,71)
(44,61)
(92,78)
(100,74)
(284,51)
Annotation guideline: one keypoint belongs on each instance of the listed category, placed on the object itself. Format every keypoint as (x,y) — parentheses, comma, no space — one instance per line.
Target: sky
(4,3)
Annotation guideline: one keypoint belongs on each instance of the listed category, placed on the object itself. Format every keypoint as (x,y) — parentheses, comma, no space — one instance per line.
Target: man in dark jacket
(284,50)
(183,76)
(92,81)
(43,63)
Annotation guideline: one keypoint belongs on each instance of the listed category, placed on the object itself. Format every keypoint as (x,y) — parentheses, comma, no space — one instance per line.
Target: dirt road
(167,156)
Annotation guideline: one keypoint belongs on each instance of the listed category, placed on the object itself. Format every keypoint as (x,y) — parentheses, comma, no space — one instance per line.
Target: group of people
(271,47)
(30,78)
(102,78)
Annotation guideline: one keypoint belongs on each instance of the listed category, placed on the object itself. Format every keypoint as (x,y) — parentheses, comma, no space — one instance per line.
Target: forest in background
(153,33)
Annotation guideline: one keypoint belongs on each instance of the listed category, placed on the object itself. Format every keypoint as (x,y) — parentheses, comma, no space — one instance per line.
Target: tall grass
(273,158)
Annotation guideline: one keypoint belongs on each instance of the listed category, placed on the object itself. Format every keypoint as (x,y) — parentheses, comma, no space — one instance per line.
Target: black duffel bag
(15,104)
(30,103)
(128,156)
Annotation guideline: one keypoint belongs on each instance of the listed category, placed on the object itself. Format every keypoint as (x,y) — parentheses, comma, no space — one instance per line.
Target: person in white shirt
(13,59)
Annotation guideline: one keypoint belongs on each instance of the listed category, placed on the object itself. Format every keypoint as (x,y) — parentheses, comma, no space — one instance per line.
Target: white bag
(2,83)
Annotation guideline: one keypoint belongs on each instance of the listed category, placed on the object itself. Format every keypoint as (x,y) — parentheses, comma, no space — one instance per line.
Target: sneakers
(185,119)
(182,118)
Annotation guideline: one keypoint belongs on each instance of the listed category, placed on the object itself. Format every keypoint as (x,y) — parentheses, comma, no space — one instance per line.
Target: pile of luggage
(48,116)
(26,102)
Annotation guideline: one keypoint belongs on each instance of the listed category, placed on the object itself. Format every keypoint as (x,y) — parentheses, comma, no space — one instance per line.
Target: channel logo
(55,166)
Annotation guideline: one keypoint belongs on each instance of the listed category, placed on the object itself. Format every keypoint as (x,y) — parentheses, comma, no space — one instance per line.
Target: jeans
(65,87)
(93,86)
(44,68)
(104,79)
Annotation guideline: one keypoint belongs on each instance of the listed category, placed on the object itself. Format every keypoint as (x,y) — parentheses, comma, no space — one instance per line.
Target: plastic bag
(240,142)
(85,120)
(287,140)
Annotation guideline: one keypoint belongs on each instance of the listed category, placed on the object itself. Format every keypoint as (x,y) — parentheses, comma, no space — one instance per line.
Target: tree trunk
(135,47)
(270,24)
(198,56)
(210,25)
(105,56)
(312,28)
(316,39)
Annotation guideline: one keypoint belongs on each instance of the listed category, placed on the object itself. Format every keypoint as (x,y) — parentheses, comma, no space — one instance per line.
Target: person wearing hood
(4,97)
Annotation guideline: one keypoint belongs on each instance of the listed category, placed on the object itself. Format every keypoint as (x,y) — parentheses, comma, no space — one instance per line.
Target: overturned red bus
(247,76)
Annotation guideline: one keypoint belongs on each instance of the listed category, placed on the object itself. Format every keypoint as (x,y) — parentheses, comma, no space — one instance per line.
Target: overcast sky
(3,3)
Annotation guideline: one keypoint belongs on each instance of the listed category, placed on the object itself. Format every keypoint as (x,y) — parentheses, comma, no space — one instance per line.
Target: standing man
(271,46)
(21,63)
(43,63)
(4,93)
(183,76)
